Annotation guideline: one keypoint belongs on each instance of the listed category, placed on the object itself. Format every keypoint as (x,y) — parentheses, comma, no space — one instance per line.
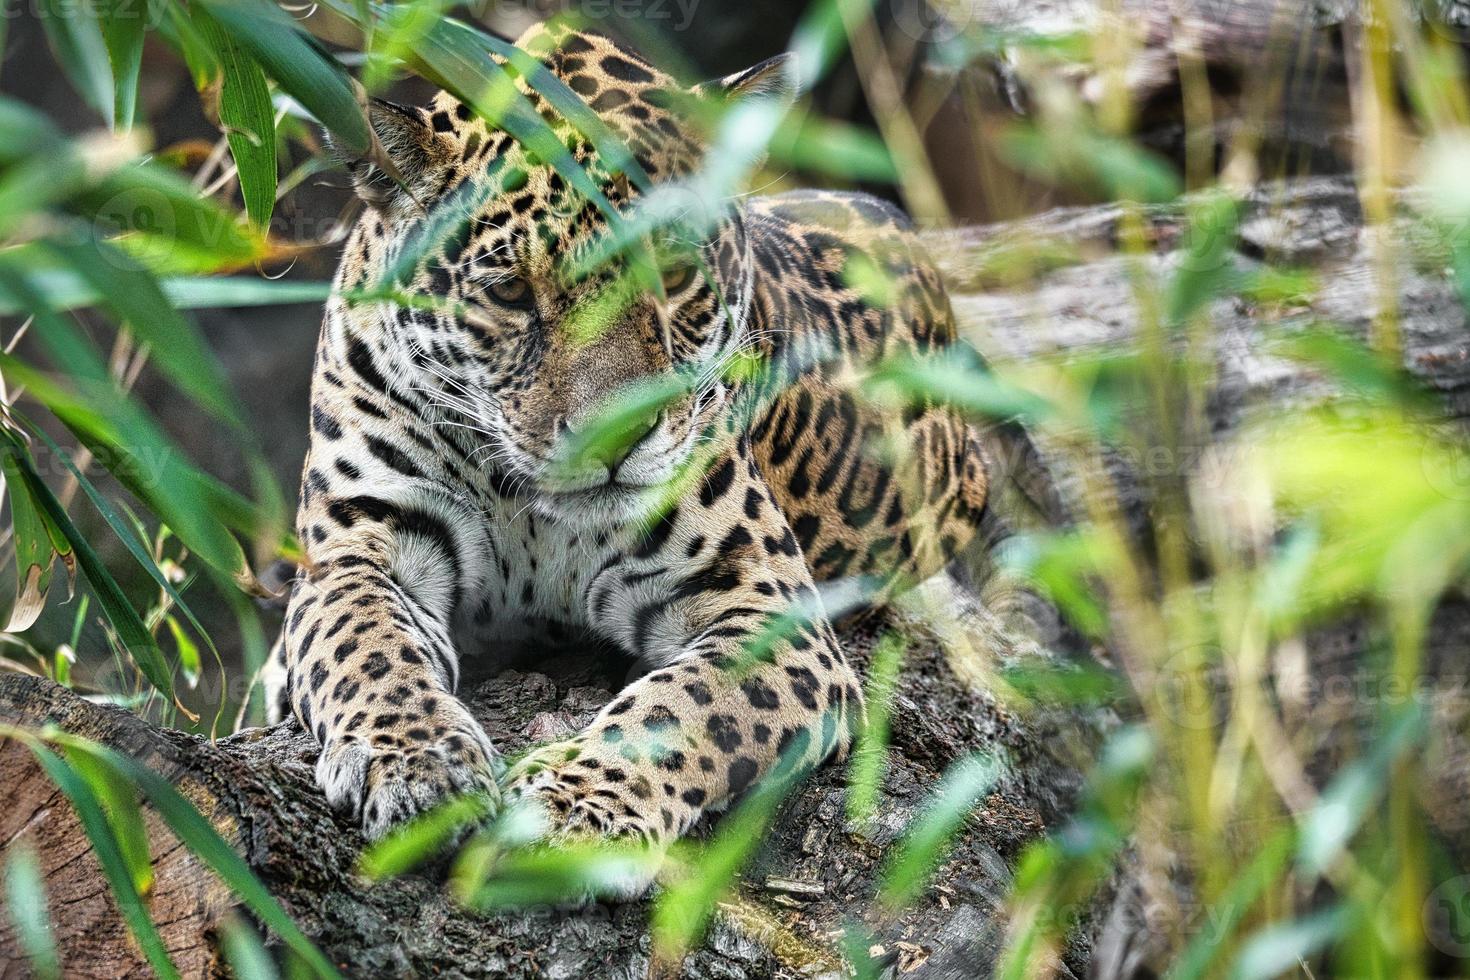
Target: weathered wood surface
(257,786)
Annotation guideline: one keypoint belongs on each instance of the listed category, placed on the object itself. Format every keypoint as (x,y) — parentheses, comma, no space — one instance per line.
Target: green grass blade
(923,847)
(25,900)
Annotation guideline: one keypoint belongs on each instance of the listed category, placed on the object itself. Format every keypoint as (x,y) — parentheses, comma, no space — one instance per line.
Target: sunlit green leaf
(119,800)
(204,841)
(422,837)
(248,119)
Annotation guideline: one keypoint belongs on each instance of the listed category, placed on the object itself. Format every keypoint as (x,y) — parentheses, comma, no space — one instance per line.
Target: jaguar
(533,414)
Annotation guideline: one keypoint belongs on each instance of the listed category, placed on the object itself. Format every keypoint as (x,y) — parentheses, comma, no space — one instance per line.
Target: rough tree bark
(815,872)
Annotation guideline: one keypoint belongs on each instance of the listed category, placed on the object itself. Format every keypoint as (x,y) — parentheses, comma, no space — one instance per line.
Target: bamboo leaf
(34,555)
(81,53)
(196,832)
(248,119)
(123,25)
(135,298)
(114,868)
(301,68)
(135,637)
(119,800)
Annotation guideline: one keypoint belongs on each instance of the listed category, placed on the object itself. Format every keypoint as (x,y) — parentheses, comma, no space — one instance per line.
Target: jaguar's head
(577,344)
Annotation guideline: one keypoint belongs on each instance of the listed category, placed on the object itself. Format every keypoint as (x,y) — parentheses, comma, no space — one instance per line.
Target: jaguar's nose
(608,441)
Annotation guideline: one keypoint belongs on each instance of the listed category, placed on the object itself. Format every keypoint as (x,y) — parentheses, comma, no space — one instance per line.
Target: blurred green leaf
(81,53)
(422,837)
(64,290)
(870,753)
(683,910)
(957,378)
(25,900)
(204,841)
(833,148)
(1355,366)
(1076,155)
(906,873)
(1284,947)
(569,872)
(123,25)
(119,800)
(1205,267)
(114,867)
(176,345)
(246,954)
(1349,798)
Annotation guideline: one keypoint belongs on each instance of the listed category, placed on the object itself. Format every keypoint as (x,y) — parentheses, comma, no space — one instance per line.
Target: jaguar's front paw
(584,800)
(384,777)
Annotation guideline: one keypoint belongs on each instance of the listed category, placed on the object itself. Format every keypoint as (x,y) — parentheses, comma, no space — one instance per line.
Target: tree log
(815,874)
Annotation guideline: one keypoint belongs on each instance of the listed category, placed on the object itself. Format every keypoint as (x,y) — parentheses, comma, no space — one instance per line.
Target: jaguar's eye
(677,277)
(514,291)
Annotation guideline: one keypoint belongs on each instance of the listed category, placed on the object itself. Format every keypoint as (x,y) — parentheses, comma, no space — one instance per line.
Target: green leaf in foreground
(123,25)
(25,901)
(306,72)
(1281,948)
(247,956)
(248,119)
(870,753)
(104,845)
(422,837)
(204,841)
(35,552)
(928,838)
(135,637)
(683,910)
(81,52)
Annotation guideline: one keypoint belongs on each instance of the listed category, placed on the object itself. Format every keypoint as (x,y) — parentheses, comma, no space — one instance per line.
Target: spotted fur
(442,519)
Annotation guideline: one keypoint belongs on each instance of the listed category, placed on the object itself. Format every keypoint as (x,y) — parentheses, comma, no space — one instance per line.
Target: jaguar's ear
(773,79)
(407,153)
